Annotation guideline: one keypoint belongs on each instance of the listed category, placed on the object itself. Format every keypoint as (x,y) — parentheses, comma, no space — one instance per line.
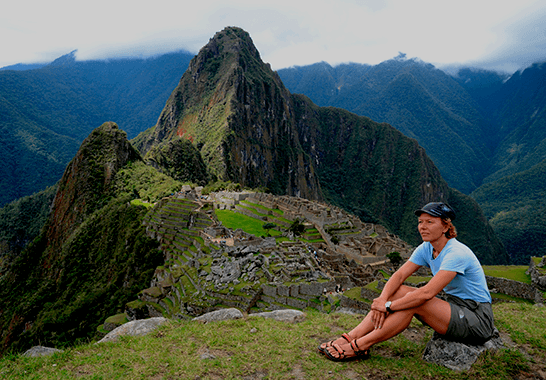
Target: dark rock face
(235,109)
(458,356)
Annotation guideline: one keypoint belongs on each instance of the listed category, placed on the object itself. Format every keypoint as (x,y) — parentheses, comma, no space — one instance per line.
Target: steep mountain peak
(231,40)
(228,51)
(250,130)
(87,178)
(237,112)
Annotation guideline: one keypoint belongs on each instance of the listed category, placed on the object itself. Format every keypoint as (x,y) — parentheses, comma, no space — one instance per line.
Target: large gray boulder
(40,351)
(134,328)
(458,356)
(289,315)
(220,315)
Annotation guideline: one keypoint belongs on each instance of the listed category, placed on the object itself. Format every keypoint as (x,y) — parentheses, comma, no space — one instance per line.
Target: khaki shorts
(471,322)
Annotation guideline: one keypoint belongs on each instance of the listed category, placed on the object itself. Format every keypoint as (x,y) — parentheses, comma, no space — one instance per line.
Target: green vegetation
(297,227)
(517,211)
(234,220)
(180,160)
(395,258)
(221,185)
(21,221)
(268,227)
(144,183)
(510,272)
(260,347)
(107,261)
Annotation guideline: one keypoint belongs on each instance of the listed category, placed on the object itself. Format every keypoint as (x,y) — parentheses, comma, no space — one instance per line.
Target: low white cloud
(285,32)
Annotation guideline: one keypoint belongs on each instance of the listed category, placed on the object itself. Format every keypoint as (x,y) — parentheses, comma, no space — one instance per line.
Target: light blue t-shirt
(469,283)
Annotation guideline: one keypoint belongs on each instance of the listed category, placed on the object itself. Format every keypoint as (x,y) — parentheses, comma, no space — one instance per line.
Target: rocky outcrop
(220,315)
(291,316)
(538,277)
(458,356)
(134,328)
(87,180)
(41,351)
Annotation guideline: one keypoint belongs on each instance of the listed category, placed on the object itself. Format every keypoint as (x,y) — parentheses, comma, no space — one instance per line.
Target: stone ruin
(538,275)
(208,266)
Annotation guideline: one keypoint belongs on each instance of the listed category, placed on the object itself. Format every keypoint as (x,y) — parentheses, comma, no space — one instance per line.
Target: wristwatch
(388,307)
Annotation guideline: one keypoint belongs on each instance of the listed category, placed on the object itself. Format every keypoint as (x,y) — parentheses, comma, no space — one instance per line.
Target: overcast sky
(494,34)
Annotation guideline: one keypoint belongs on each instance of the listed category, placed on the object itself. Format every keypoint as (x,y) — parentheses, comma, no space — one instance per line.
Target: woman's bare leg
(366,325)
(435,312)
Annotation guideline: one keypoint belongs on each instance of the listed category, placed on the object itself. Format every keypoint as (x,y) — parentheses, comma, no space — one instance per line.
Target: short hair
(451,230)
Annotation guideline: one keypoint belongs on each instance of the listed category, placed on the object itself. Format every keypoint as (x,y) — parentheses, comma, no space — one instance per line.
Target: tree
(395,259)
(268,226)
(297,227)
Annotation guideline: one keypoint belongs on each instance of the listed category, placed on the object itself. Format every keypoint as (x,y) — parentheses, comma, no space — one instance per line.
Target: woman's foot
(345,338)
(346,352)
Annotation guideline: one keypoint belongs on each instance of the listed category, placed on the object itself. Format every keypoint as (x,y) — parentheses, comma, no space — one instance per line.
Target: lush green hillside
(422,102)
(20,222)
(516,207)
(46,113)
(93,255)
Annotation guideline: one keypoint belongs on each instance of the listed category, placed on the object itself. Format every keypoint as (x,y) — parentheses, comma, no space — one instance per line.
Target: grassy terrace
(310,235)
(510,272)
(232,219)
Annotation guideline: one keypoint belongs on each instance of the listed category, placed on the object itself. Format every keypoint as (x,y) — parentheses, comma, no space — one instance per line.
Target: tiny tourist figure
(466,316)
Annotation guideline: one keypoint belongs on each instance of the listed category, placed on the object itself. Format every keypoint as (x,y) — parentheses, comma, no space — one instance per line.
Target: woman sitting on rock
(465,317)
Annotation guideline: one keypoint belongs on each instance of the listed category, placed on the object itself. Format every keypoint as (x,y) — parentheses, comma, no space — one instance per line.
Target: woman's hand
(378,318)
(379,313)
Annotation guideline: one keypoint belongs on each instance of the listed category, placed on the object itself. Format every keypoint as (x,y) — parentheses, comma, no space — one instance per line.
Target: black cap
(437,209)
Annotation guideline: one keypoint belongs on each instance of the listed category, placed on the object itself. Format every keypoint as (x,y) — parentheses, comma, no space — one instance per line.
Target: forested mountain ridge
(513,194)
(46,113)
(515,206)
(419,100)
(478,126)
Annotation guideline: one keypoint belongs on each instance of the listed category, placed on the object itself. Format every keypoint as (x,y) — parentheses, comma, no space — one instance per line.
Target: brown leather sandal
(324,350)
(358,353)
(361,354)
